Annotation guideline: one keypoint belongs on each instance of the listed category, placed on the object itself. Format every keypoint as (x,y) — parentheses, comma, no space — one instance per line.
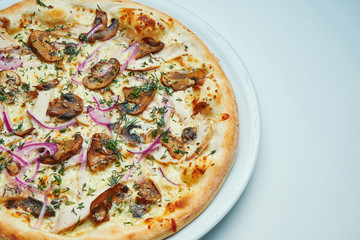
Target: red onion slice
(105,69)
(27,148)
(99,117)
(163,174)
(101,108)
(148,149)
(59,126)
(42,211)
(16,158)
(132,55)
(36,171)
(82,65)
(9,63)
(93,30)
(6,120)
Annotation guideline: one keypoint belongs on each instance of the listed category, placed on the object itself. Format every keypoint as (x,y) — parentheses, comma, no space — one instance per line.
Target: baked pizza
(117,122)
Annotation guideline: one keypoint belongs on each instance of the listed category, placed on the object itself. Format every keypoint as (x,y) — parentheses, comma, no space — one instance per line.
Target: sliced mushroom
(12,168)
(139,99)
(9,83)
(149,45)
(30,96)
(104,33)
(30,205)
(188,134)
(25,132)
(174,146)
(66,149)
(47,85)
(200,107)
(147,196)
(99,208)
(102,74)
(101,17)
(40,44)
(181,81)
(132,138)
(100,154)
(68,106)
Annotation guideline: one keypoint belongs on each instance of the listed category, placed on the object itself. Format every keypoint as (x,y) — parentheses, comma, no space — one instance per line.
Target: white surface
(304,60)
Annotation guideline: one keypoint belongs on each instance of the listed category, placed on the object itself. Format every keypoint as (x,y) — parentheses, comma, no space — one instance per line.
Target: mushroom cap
(101,17)
(9,82)
(66,107)
(188,134)
(66,149)
(132,138)
(182,80)
(174,146)
(47,85)
(99,156)
(139,101)
(99,207)
(148,194)
(149,45)
(97,80)
(103,33)
(39,43)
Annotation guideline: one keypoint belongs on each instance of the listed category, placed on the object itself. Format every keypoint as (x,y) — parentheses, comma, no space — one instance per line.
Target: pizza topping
(30,205)
(58,126)
(101,153)
(47,85)
(200,107)
(99,117)
(132,138)
(163,174)
(26,132)
(9,83)
(12,168)
(100,207)
(149,45)
(147,196)
(6,120)
(188,134)
(66,107)
(174,146)
(137,98)
(40,44)
(180,81)
(9,63)
(111,103)
(66,149)
(100,32)
(102,74)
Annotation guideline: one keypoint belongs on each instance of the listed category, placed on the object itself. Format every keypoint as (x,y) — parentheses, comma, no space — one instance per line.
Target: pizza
(117,122)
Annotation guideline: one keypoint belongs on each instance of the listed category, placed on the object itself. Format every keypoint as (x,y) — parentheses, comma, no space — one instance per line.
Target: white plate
(249,118)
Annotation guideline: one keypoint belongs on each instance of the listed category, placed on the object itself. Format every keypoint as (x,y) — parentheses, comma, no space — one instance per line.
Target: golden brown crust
(206,181)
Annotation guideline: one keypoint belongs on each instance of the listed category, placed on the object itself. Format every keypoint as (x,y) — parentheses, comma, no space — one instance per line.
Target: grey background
(304,59)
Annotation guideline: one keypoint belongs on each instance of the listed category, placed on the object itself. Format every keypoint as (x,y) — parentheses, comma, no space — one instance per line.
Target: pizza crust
(205,175)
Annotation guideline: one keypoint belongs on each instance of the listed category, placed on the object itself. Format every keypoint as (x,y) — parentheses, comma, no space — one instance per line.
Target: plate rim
(254,107)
